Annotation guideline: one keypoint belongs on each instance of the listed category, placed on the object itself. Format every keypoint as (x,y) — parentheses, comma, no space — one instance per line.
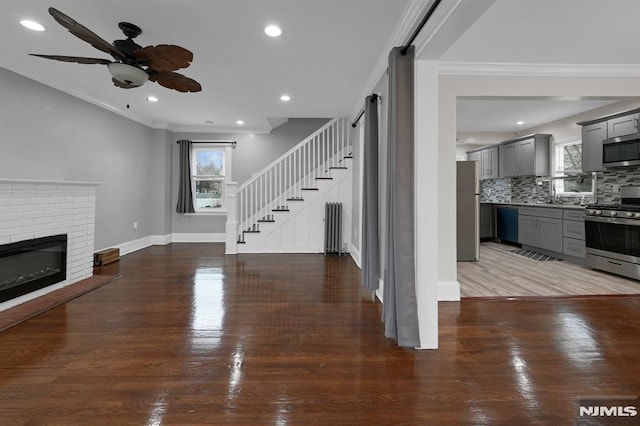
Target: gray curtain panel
(400,309)
(185,197)
(370,246)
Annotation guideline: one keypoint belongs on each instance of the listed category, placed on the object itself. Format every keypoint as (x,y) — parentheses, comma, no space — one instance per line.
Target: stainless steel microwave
(621,151)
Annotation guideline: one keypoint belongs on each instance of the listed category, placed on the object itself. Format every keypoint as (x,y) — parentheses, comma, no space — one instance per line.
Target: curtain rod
(435,4)
(355,122)
(232,143)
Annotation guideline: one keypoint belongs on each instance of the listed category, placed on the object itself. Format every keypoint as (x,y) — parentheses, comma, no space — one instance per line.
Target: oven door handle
(613,220)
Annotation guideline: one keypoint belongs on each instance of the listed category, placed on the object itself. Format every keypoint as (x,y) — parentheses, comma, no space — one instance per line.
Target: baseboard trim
(380,290)
(162,240)
(199,238)
(448,291)
(355,255)
(134,245)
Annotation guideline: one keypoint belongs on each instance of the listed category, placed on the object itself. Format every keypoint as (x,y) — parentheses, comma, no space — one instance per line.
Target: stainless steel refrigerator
(468,210)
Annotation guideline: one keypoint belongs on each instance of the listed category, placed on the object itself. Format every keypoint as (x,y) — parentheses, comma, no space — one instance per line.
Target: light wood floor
(502,273)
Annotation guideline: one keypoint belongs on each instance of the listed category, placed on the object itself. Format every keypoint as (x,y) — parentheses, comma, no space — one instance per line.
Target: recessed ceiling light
(273,31)
(32,25)
(285,98)
(152,98)
(520,123)
(239,122)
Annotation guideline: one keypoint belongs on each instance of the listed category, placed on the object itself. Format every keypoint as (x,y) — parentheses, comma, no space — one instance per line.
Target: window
(210,169)
(568,164)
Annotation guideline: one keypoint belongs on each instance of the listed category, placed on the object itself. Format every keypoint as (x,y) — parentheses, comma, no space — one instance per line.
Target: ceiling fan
(133,64)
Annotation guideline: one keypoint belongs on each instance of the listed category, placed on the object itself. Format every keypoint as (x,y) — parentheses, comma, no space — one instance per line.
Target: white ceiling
(326,52)
(553,32)
(502,115)
(548,34)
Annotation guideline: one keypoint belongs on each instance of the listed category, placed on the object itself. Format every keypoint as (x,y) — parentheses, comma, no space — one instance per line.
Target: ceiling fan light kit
(128,74)
(133,65)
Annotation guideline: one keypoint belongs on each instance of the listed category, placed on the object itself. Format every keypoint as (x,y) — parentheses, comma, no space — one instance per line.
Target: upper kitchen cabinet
(488,161)
(525,156)
(595,131)
(622,126)
(592,137)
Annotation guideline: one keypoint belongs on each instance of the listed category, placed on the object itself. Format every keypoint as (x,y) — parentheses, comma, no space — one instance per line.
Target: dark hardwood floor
(191,336)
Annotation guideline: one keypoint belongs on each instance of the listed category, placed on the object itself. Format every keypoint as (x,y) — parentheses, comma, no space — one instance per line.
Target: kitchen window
(569,179)
(211,168)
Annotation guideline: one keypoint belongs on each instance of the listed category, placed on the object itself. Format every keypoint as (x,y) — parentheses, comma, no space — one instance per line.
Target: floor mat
(533,255)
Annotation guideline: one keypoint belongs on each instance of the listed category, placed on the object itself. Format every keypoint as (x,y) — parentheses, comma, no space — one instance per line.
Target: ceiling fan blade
(76,59)
(85,34)
(175,81)
(164,57)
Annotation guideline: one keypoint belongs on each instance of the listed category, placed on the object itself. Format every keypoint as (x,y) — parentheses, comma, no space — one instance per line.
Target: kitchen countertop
(555,206)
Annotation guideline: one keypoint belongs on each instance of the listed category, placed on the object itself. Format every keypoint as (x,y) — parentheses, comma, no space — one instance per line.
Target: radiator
(333,228)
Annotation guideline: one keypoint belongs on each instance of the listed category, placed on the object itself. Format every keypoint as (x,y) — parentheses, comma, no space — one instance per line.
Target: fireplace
(30,265)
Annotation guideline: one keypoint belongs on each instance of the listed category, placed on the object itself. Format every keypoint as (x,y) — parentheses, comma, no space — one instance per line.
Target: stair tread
(324,177)
(266,220)
(251,232)
(310,189)
(280,210)
(338,167)
(295,199)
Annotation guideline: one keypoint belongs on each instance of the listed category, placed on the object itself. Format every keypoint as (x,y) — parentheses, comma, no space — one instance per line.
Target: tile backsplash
(614,178)
(495,191)
(531,189)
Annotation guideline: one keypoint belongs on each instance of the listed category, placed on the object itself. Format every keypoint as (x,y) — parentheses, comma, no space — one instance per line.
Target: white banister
(286,176)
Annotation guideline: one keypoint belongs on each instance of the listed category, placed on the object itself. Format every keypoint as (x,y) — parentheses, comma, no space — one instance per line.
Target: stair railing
(286,178)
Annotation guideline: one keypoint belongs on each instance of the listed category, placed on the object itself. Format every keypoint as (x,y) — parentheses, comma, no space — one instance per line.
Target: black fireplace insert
(30,265)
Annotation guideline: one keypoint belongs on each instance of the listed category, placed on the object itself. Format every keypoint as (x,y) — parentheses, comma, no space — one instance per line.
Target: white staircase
(281,208)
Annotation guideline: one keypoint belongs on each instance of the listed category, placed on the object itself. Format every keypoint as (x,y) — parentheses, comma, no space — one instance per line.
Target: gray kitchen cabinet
(527,229)
(525,156)
(622,126)
(487,222)
(509,160)
(592,137)
(597,130)
(541,227)
(573,233)
(488,161)
(551,234)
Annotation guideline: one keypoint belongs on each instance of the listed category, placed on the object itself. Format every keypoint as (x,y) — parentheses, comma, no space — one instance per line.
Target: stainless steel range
(612,234)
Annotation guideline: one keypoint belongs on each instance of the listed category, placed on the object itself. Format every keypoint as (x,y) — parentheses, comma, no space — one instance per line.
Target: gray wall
(50,135)
(252,153)
(47,134)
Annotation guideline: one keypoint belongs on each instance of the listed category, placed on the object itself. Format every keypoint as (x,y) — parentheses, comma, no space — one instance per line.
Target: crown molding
(538,70)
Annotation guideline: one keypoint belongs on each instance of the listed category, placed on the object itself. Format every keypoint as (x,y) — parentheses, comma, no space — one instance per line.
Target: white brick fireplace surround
(36,208)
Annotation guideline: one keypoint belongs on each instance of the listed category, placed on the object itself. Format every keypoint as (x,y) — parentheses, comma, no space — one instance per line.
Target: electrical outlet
(135,226)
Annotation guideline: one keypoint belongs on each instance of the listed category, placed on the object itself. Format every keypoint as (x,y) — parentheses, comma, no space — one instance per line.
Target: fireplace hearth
(30,265)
